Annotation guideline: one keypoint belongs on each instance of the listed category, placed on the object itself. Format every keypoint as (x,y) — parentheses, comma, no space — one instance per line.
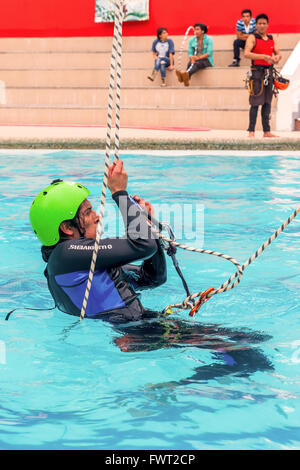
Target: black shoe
(235,63)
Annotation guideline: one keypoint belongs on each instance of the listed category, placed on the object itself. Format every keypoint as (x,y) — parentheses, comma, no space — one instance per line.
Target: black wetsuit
(113,298)
(113,295)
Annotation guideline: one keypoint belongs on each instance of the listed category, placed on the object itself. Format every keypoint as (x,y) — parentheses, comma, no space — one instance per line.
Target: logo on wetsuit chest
(84,247)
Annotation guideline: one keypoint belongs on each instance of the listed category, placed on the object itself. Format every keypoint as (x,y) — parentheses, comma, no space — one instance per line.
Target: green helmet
(58,202)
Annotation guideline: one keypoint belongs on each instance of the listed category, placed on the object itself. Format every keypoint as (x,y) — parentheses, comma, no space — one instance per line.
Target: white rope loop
(228,285)
(115,75)
(182,47)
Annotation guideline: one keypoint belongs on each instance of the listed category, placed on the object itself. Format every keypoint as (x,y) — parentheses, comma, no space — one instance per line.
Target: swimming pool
(66,385)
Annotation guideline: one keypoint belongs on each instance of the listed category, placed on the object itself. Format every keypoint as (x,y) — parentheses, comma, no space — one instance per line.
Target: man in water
(64,221)
(263,51)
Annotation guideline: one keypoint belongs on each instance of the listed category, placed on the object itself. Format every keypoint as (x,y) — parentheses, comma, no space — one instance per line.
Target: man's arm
(191,48)
(242,36)
(152,273)
(203,56)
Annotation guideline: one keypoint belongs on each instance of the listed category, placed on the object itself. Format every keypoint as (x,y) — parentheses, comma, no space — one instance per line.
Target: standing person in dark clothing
(245,26)
(64,221)
(263,51)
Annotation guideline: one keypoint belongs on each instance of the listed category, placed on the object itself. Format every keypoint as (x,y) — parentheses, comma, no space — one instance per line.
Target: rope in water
(115,75)
(187,303)
(182,47)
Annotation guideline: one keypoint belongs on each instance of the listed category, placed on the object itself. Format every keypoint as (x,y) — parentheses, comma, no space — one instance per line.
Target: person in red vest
(263,51)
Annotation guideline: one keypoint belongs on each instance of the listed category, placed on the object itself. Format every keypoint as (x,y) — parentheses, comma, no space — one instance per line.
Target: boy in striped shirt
(245,26)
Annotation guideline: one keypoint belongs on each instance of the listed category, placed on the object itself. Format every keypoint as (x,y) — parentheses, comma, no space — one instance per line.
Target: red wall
(45,18)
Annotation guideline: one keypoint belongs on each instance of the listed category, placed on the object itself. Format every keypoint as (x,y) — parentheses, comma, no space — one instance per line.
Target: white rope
(115,75)
(182,47)
(229,284)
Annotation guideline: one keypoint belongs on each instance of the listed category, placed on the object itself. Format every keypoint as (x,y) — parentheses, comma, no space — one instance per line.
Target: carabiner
(201,301)
(166,226)
(266,78)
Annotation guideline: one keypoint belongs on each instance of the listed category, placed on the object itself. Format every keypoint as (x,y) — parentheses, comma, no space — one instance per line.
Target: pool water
(226,379)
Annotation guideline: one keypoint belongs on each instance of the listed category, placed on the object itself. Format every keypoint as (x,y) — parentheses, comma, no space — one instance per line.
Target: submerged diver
(64,221)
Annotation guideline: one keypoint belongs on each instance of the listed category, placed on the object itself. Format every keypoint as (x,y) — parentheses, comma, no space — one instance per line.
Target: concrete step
(214,119)
(221,42)
(63,81)
(227,76)
(139,98)
(92,60)
(130,43)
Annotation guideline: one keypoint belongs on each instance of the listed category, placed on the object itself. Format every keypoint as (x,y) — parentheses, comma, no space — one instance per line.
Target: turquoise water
(66,385)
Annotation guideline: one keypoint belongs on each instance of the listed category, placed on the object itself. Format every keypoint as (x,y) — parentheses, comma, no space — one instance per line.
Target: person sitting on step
(163,51)
(200,52)
(245,26)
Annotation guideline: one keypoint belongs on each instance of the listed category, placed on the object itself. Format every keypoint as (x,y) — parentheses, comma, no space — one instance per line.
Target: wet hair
(159,31)
(246,11)
(202,26)
(75,222)
(262,16)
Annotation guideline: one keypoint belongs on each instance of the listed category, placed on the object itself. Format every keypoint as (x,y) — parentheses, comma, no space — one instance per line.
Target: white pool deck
(90,133)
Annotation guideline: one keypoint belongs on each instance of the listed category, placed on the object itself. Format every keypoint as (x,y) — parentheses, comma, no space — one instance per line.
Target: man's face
(246,18)
(88,219)
(262,26)
(198,31)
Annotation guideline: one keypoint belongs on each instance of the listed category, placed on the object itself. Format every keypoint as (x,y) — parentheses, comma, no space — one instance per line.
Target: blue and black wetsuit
(114,298)
(113,295)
